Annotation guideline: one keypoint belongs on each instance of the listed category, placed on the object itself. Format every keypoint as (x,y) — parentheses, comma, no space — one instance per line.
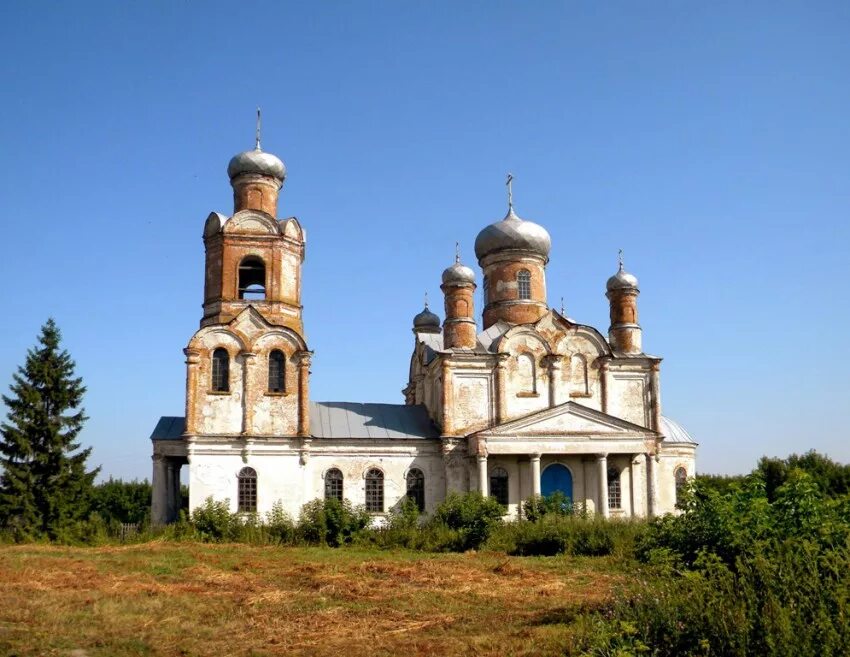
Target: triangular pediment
(568,419)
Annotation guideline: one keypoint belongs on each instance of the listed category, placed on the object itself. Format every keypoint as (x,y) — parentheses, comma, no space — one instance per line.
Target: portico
(603,463)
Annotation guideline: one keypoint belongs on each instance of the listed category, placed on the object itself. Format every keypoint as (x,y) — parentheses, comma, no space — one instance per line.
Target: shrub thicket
(471,515)
(331,522)
(738,573)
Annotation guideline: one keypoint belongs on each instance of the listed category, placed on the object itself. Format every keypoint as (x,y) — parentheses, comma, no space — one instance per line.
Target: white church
(532,404)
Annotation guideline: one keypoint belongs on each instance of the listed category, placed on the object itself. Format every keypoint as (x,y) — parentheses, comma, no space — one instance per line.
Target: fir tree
(44,486)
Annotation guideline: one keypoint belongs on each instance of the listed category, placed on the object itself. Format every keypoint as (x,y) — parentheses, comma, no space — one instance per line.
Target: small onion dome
(513,233)
(622,280)
(458,274)
(426,321)
(257,162)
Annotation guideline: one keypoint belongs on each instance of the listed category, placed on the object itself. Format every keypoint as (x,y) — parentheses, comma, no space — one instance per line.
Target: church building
(532,404)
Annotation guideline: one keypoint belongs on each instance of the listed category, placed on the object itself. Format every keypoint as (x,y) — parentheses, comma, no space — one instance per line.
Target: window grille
(277,371)
(247,493)
(486,290)
(221,370)
(375,491)
(681,477)
(499,485)
(416,488)
(333,484)
(615,492)
(252,278)
(523,281)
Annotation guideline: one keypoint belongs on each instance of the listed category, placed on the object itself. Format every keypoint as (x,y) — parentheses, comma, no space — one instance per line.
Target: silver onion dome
(513,233)
(622,280)
(458,274)
(256,162)
(426,321)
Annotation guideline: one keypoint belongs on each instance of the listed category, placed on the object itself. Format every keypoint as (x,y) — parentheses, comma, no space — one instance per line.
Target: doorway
(556,477)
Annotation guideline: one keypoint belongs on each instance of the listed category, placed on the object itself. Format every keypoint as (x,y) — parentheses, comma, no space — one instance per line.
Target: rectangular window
(615,496)
(247,494)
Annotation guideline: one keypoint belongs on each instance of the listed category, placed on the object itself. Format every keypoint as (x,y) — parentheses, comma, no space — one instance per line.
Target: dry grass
(191,599)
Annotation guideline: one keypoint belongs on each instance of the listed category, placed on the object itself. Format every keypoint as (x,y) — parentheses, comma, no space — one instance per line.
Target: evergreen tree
(44,486)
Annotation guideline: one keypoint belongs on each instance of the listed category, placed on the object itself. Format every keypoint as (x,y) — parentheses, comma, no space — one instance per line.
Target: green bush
(279,527)
(739,572)
(214,522)
(331,522)
(557,504)
(471,515)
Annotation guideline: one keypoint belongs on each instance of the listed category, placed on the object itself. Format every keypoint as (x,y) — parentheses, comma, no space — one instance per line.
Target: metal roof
(342,420)
(674,432)
(169,428)
(353,420)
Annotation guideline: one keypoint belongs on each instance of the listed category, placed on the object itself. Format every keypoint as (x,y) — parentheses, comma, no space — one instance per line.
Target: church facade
(532,404)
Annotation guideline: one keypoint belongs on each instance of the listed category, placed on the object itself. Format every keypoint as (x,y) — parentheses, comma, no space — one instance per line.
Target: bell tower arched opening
(252,278)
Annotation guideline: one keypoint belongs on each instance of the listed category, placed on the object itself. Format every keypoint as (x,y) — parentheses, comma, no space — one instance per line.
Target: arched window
(499,485)
(615,492)
(526,373)
(485,289)
(333,484)
(375,491)
(247,492)
(523,284)
(252,278)
(681,477)
(416,488)
(277,371)
(220,370)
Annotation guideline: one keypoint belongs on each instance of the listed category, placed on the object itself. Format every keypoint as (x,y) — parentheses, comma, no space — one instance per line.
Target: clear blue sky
(711,141)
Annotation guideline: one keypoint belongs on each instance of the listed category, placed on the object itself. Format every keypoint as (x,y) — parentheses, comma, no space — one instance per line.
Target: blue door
(556,477)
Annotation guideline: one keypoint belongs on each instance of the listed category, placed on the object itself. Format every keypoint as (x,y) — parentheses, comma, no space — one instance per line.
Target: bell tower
(252,257)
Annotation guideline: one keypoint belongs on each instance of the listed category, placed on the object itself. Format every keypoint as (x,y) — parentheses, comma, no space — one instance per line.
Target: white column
(602,475)
(556,384)
(632,488)
(171,502)
(651,488)
(535,474)
(482,474)
(159,496)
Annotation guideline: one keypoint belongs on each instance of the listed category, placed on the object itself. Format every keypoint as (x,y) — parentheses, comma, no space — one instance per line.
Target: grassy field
(195,599)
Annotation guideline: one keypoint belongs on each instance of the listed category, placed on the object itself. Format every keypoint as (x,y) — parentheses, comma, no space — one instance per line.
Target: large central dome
(513,234)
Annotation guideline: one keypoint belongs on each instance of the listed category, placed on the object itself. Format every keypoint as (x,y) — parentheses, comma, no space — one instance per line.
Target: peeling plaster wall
(579,374)
(472,400)
(628,397)
(526,375)
(219,412)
